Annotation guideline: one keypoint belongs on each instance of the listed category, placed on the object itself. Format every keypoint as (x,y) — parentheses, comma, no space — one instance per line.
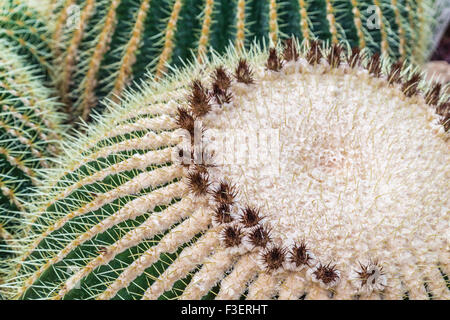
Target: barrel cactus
(102,45)
(295,172)
(29,131)
(23,28)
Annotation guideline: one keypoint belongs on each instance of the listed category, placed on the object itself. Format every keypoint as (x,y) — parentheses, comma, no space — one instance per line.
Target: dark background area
(442,52)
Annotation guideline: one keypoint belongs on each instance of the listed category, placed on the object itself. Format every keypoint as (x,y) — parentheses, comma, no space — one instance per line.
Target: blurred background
(439,63)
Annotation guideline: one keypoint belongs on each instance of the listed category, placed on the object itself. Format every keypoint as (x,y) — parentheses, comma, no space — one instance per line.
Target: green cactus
(23,28)
(125,216)
(29,131)
(108,43)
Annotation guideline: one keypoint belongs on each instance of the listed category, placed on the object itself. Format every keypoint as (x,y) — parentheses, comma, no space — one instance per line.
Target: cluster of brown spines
(443,108)
(243,73)
(225,193)
(221,86)
(247,224)
(199,101)
(326,273)
(314,54)
(432,97)
(334,56)
(232,236)
(224,196)
(290,52)
(198,181)
(250,217)
(185,120)
(274,257)
(356,58)
(299,255)
(274,63)
(259,237)
(364,272)
(374,65)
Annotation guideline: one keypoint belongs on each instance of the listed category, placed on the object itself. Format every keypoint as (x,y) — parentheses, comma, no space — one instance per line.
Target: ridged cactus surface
(24,29)
(29,131)
(354,207)
(104,44)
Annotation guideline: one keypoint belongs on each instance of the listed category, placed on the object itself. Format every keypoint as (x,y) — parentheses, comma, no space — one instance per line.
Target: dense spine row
(102,45)
(24,29)
(29,135)
(123,219)
(29,122)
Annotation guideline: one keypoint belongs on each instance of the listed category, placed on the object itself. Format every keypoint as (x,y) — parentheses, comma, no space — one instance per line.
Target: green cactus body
(126,218)
(112,42)
(23,29)
(29,129)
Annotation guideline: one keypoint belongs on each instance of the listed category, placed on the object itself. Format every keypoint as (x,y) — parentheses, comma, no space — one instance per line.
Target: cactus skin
(29,131)
(24,29)
(116,40)
(120,219)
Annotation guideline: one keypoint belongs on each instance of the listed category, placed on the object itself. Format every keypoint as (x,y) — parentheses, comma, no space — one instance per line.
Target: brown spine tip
(290,52)
(444,111)
(221,96)
(314,53)
(367,272)
(326,273)
(199,99)
(250,217)
(354,58)
(299,255)
(225,193)
(410,87)
(221,86)
(222,214)
(198,181)
(374,65)
(259,237)
(395,74)
(274,258)
(232,236)
(185,120)
(243,73)
(334,56)
(433,95)
(221,78)
(273,62)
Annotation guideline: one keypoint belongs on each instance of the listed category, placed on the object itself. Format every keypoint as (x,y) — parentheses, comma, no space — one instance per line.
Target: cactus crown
(129,216)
